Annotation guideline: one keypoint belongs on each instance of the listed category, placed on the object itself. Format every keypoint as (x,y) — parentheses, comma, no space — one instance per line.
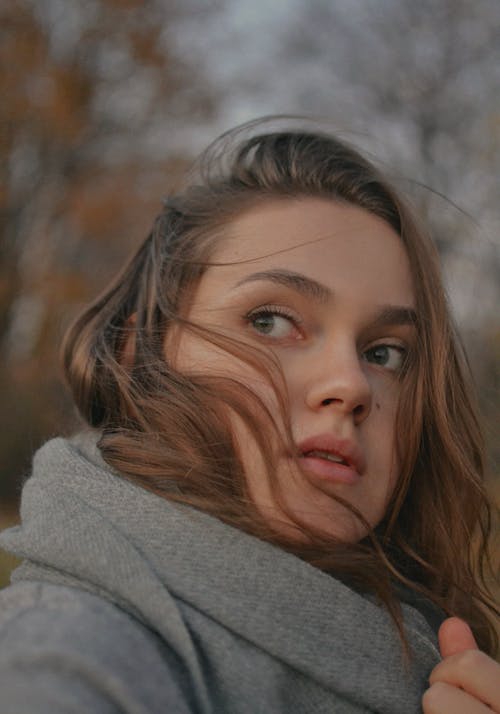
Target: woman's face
(326,288)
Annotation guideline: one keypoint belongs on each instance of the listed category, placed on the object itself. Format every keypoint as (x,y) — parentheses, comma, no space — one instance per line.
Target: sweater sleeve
(64,651)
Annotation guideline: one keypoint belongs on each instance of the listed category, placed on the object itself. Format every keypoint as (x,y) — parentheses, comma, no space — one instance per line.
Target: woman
(278,500)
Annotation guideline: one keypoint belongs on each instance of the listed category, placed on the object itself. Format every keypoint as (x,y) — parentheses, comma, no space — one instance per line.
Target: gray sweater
(128,603)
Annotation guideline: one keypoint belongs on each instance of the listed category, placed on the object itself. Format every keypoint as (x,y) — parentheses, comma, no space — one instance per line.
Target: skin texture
(324,345)
(466,681)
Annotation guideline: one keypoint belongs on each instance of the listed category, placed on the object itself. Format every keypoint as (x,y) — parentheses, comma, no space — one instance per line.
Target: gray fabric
(129,603)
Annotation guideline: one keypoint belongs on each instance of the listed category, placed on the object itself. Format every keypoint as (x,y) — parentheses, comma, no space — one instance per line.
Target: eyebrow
(394,315)
(296,281)
(387,315)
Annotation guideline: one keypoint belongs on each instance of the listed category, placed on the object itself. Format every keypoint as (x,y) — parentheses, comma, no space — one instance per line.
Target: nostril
(359,410)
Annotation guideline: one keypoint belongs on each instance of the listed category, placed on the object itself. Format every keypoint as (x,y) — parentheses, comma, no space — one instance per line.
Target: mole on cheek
(377,405)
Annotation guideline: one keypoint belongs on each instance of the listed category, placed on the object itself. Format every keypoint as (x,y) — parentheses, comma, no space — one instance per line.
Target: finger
(474,672)
(441,697)
(455,636)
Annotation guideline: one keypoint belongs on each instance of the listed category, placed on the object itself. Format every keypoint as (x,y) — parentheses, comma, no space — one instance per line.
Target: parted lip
(346,449)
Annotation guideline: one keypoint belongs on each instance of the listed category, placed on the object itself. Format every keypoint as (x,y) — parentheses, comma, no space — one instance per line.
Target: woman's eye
(389,356)
(272,324)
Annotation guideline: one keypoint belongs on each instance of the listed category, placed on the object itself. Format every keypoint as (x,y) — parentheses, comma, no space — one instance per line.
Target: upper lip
(345,448)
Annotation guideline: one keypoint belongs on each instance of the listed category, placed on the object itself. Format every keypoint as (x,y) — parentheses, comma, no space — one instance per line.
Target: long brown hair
(169,432)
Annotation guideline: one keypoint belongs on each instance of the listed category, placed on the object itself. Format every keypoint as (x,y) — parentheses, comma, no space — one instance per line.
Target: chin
(343,527)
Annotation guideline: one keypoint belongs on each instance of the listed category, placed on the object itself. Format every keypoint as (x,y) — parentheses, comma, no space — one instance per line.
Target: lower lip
(329,470)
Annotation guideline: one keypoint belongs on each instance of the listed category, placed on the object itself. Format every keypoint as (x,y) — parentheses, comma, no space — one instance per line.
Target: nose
(338,382)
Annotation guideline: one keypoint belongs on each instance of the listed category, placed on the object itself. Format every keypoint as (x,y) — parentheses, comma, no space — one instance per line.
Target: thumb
(455,636)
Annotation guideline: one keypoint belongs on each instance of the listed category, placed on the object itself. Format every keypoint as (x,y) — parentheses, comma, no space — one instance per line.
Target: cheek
(195,356)
(385,399)
(192,355)
(382,427)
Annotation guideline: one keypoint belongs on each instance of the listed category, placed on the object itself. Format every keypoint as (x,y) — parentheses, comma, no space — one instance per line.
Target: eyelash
(402,351)
(271,311)
(296,322)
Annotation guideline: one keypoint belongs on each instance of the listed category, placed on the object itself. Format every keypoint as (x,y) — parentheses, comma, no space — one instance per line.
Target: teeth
(326,455)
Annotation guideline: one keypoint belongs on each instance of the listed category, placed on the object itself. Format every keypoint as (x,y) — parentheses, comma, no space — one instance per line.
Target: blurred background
(105,102)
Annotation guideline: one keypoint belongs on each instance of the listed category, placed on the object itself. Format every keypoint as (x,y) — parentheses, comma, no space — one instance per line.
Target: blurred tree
(93,93)
(425,72)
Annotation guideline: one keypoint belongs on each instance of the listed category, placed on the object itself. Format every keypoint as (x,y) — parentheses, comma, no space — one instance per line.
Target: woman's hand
(466,681)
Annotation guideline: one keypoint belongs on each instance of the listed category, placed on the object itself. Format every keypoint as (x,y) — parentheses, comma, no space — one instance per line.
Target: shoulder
(66,617)
(65,649)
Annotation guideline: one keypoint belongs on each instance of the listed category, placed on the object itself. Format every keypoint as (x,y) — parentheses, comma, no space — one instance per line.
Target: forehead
(342,246)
